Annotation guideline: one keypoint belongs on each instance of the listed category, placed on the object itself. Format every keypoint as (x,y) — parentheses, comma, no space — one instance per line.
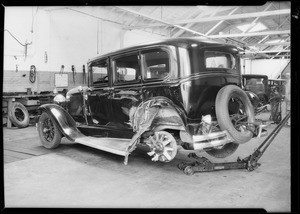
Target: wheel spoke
(169,149)
(166,142)
(156,136)
(166,154)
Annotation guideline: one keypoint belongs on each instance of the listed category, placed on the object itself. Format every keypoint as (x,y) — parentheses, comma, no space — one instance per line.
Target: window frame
(225,53)
(114,71)
(143,62)
(99,85)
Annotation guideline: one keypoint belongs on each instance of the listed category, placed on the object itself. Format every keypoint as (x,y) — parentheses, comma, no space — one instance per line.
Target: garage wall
(270,67)
(60,37)
(138,37)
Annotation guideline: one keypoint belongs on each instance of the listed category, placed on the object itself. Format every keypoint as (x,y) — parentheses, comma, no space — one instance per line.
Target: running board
(113,145)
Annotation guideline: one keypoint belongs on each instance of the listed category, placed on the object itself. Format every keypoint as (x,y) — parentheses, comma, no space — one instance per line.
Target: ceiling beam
(253,23)
(270,44)
(216,18)
(220,22)
(262,33)
(275,51)
(159,20)
(180,32)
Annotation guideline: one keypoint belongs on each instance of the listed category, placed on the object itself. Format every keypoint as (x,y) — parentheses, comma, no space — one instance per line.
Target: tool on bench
(250,163)
(62,69)
(83,72)
(32,74)
(74,73)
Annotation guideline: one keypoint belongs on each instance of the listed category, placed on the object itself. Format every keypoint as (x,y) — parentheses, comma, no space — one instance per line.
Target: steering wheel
(104,78)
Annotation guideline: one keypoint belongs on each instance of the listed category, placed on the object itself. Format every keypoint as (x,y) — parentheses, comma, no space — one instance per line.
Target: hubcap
(163,146)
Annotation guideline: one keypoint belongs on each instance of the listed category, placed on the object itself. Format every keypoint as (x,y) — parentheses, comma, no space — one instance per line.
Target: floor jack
(250,163)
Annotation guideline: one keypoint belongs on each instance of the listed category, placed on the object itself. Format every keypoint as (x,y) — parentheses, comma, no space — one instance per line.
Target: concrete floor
(76,176)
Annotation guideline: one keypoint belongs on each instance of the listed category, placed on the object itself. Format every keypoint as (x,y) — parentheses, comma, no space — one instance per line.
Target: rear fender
(63,120)
(158,113)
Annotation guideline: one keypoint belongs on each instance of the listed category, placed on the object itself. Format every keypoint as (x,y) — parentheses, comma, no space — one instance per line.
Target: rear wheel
(163,146)
(49,133)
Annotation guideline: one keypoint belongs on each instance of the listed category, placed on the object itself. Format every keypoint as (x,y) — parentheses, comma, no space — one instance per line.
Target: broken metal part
(163,146)
(201,142)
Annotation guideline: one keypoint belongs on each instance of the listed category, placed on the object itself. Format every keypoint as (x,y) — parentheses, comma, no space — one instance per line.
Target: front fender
(253,98)
(65,123)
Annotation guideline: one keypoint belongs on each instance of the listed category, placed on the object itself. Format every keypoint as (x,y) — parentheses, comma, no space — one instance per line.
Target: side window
(156,64)
(99,72)
(126,68)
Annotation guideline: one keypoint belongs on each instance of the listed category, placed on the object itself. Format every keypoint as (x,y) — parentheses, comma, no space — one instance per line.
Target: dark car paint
(62,120)
(192,93)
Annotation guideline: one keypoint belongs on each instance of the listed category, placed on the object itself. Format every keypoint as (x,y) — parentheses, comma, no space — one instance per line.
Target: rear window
(214,59)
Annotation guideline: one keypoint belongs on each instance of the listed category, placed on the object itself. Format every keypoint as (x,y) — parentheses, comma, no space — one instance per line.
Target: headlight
(68,96)
(59,99)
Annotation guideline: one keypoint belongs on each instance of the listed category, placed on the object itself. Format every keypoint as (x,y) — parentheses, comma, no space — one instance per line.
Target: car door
(126,88)
(99,98)
(156,70)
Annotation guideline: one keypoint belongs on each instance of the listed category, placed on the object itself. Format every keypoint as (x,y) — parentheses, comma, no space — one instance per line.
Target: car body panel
(177,100)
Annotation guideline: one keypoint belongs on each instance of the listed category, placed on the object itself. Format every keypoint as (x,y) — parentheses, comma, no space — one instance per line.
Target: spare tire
(18,115)
(234,112)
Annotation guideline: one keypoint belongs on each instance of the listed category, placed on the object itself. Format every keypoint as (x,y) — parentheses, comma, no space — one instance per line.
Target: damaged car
(182,93)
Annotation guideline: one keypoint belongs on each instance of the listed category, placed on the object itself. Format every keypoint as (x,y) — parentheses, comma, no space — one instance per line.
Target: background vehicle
(257,84)
(175,94)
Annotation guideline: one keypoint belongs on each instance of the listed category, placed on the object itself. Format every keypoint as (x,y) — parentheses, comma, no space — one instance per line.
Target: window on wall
(99,71)
(127,68)
(214,59)
(156,64)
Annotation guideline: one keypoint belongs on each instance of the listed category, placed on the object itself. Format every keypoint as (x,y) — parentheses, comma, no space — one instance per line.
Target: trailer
(18,109)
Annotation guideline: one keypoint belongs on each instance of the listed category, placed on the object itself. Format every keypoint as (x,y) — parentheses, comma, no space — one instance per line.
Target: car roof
(179,42)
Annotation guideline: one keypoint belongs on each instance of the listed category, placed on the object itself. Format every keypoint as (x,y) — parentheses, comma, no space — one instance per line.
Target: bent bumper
(201,142)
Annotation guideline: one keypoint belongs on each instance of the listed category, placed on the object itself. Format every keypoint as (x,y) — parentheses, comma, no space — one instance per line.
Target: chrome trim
(211,136)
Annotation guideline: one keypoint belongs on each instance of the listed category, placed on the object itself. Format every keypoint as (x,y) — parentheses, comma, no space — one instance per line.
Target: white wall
(270,67)
(138,37)
(65,36)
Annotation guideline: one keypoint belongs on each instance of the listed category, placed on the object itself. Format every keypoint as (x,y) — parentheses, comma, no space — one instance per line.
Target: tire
(50,135)
(18,115)
(226,150)
(233,100)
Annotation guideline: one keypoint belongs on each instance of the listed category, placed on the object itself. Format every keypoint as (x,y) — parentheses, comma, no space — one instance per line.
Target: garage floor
(74,176)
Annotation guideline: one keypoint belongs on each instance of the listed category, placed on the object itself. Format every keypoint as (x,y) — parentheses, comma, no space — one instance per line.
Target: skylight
(275,41)
(253,27)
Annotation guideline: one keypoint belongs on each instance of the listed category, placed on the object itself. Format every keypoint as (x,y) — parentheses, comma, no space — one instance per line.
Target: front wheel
(49,133)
